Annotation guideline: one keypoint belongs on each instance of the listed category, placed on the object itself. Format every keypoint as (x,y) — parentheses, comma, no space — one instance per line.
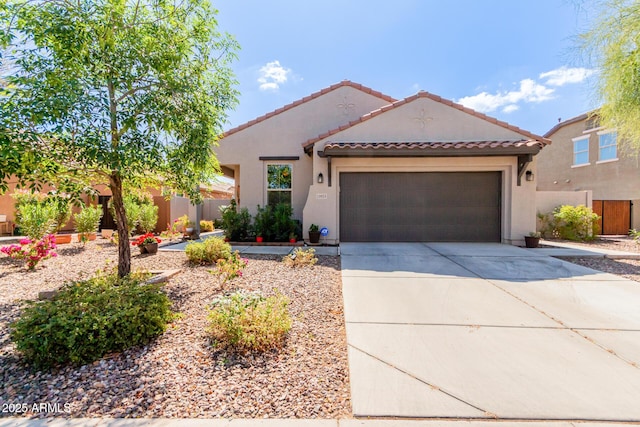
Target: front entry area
(420,206)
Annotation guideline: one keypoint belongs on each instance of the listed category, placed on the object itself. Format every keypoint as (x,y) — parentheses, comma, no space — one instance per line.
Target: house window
(279,183)
(581,151)
(608,146)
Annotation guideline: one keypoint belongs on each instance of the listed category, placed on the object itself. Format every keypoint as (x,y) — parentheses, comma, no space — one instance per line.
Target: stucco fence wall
(547,201)
(210,208)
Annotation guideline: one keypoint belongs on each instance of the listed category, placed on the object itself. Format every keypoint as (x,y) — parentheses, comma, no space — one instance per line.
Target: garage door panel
(425,206)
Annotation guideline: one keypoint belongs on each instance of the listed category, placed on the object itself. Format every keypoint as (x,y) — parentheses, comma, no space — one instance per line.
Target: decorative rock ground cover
(180,374)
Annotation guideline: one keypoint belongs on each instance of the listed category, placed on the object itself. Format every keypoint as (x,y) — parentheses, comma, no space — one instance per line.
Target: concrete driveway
(488,331)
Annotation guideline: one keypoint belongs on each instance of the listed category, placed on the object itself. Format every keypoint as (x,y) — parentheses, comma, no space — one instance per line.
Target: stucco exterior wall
(611,180)
(547,201)
(283,135)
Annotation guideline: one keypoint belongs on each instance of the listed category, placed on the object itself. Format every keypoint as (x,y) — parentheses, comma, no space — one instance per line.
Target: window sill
(580,165)
(599,162)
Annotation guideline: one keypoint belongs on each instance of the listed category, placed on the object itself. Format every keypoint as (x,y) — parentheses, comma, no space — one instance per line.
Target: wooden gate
(615,216)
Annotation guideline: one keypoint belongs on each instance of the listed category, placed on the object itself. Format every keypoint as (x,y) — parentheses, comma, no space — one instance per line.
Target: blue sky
(511,59)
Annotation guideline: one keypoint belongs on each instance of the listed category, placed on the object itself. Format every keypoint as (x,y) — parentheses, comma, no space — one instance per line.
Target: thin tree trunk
(124,249)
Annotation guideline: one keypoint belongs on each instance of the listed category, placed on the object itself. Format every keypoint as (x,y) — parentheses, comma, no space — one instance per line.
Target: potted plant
(292,237)
(259,238)
(87,222)
(532,240)
(147,243)
(314,233)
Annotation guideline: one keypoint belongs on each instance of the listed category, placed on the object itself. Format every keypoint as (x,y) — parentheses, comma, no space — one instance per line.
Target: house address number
(321,196)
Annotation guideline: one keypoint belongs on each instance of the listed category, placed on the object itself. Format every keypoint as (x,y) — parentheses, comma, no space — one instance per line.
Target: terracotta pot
(259,239)
(88,236)
(63,238)
(292,240)
(106,233)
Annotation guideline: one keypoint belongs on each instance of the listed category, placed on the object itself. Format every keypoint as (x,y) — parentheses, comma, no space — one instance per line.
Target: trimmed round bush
(91,318)
(209,251)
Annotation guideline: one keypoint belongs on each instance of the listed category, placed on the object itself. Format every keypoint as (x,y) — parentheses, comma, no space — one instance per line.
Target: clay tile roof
(432,145)
(422,94)
(308,98)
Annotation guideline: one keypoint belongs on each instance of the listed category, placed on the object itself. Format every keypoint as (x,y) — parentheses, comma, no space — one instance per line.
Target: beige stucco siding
(613,180)
(425,120)
(283,135)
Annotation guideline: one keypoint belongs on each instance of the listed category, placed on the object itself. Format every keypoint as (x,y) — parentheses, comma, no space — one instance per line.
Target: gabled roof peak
(424,94)
(343,83)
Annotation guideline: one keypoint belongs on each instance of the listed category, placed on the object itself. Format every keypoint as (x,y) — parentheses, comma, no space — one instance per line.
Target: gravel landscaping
(180,374)
(629,268)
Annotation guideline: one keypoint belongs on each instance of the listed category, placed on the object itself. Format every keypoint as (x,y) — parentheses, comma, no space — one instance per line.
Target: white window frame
(605,132)
(575,140)
(266,179)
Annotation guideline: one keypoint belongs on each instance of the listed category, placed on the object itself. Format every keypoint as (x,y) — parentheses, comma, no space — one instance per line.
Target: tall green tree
(613,44)
(114,91)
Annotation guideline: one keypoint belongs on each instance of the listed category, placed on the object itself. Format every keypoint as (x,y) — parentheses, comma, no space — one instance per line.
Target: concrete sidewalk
(184,422)
(488,331)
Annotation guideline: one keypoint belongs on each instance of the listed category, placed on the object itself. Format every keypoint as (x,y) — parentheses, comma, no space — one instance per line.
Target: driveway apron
(450,330)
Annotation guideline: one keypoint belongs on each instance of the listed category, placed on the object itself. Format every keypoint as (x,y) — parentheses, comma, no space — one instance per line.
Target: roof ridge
(343,83)
(575,119)
(433,97)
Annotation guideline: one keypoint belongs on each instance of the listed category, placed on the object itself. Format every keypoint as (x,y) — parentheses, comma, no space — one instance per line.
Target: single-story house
(369,167)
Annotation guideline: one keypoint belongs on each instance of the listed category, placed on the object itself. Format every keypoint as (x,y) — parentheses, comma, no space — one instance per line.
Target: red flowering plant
(32,251)
(146,239)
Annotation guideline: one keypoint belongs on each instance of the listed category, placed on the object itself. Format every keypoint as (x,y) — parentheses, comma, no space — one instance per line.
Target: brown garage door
(420,207)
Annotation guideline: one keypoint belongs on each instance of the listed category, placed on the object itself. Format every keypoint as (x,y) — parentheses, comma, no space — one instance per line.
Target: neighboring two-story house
(585,156)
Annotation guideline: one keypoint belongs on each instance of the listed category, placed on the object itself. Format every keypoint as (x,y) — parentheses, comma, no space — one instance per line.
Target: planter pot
(150,248)
(314,236)
(531,242)
(106,233)
(259,239)
(63,238)
(87,236)
(292,240)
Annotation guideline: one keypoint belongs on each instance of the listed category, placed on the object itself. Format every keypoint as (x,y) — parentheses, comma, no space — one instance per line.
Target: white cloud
(564,75)
(529,91)
(272,75)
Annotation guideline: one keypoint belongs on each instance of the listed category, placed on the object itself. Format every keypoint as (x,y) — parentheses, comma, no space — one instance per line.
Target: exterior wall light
(320,178)
(529,175)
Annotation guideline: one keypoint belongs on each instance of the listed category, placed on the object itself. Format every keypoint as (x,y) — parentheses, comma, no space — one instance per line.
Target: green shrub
(23,198)
(262,221)
(635,234)
(89,319)
(209,251)
(136,206)
(282,225)
(575,222)
(62,210)
(300,257)
(147,217)
(248,322)
(206,225)
(37,220)
(236,225)
(88,219)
